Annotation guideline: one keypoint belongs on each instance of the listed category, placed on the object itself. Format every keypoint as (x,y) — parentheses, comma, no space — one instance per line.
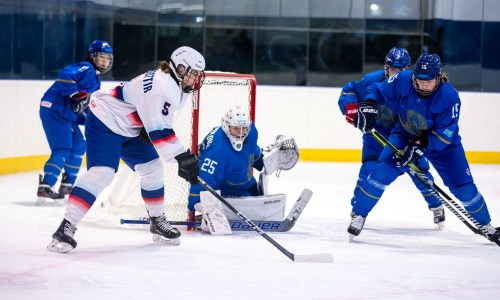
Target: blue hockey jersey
(436,115)
(355,91)
(226,169)
(72,78)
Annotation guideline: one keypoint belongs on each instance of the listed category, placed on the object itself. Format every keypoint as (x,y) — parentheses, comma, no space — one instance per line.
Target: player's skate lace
(159,225)
(438,214)
(357,223)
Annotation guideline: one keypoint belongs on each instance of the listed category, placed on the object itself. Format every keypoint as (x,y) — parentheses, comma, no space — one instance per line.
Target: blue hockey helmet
(427,67)
(101,55)
(398,58)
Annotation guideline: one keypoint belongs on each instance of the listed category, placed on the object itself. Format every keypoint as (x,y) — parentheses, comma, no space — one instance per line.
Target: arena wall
(310,114)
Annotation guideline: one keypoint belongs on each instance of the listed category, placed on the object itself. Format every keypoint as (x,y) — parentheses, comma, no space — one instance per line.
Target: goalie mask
(236,124)
(187,65)
(100,55)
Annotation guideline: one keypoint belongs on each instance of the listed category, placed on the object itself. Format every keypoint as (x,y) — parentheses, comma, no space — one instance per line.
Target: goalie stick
(238,225)
(437,191)
(316,258)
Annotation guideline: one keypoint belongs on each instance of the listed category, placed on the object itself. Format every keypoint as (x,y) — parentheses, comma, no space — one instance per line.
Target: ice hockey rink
(399,255)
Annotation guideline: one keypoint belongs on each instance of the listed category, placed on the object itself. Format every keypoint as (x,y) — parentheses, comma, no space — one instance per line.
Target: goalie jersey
(226,169)
(150,101)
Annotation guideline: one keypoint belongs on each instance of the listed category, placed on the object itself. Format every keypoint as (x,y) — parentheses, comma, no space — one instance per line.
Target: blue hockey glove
(79,101)
(362,115)
(411,154)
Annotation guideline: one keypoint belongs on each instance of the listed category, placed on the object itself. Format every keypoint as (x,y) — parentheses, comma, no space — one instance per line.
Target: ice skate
(66,186)
(357,223)
(62,239)
(438,216)
(163,232)
(493,234)
(46,192)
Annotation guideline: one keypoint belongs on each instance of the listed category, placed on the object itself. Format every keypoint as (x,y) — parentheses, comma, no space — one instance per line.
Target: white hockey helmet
(236,124)
(188,67)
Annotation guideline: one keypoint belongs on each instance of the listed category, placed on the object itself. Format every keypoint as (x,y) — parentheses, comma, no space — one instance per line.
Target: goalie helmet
(188,67)
(428,67)
(236,124)
(397,58)
(100,55)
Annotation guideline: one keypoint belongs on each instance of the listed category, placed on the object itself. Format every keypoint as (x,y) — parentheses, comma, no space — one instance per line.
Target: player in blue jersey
(352,95)
(228,155)
(429,109)
(62,110)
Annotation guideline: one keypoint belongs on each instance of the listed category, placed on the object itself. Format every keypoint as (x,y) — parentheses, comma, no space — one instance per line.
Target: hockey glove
(411,154)
(79,101)
(362,115)
(188,166)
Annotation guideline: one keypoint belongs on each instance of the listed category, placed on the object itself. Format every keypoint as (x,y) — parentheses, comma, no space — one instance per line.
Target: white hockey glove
(280,155)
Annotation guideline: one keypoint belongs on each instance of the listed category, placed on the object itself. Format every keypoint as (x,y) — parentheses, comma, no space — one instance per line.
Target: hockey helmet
(398,58)
(427,67)
(100,54)
(236,124)
(188,67)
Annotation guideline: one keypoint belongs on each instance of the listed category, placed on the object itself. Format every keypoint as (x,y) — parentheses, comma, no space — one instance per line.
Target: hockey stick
(436,191)
(238,225)
(317,258)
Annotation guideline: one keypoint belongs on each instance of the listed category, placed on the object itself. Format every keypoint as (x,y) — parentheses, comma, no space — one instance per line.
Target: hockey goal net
(122,200)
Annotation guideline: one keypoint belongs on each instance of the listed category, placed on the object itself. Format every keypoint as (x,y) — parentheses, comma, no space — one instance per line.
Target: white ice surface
(399,255)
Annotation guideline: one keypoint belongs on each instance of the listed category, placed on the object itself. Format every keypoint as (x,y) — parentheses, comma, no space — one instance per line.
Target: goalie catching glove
(188,166)
(361,115)
(280,155)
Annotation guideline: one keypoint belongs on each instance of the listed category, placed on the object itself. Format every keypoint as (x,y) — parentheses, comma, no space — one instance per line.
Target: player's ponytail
(164,67)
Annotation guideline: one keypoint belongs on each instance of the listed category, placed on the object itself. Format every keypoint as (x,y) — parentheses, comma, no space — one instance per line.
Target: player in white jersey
(134,122)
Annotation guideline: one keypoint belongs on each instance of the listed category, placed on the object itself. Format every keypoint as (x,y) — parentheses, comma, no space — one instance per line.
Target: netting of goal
(122,199)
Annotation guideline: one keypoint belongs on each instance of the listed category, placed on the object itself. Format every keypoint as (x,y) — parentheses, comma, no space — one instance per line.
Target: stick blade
(314,258)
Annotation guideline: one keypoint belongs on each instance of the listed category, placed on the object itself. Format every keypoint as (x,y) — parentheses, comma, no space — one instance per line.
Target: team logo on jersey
(386,116)
(414,123)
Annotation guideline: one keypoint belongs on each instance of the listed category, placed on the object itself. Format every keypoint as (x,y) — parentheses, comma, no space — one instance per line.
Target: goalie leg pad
(213,218)
(262,208)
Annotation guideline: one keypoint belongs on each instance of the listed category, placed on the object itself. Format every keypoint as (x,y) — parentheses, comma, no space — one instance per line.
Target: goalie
(227,157)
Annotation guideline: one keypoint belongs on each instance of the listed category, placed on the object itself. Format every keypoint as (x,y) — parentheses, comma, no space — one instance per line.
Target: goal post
(204,110)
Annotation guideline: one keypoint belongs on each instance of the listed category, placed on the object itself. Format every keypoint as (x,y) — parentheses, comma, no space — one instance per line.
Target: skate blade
(351,237)
(440,225)
(50,202)
(164,241)
(59,247)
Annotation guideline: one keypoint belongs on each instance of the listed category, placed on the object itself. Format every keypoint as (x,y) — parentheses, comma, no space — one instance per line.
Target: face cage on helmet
(93,57)
(236,141)
(424,93)
(198,82)
(386,70)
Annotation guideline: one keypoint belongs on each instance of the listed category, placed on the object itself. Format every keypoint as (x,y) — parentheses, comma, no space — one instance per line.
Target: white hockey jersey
(150,101)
